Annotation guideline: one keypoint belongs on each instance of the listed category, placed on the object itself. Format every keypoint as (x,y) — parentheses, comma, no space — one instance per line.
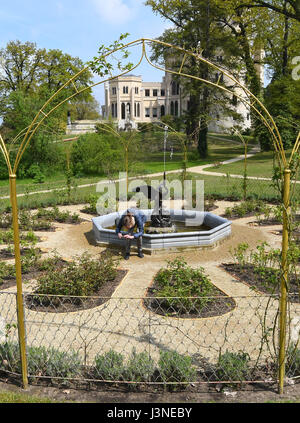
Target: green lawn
(259,165)
(16,398)
(151,163)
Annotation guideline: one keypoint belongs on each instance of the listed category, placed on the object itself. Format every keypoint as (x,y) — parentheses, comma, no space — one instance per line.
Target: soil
(247,275)
(7,255)
(215,393)
(218,305)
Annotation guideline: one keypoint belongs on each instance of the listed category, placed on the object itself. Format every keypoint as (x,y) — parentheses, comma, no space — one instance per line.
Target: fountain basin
(219,229)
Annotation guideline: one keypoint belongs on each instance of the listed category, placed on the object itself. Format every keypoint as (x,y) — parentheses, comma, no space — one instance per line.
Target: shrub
(140,367)
(233,366)
(180,280)
(293,361)
(174,367)
(80,278)
(109,366)
(10,357)
(58,216)
(41,361)
(51,362)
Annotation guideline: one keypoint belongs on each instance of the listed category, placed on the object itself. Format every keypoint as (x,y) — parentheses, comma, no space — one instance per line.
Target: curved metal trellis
(249,100)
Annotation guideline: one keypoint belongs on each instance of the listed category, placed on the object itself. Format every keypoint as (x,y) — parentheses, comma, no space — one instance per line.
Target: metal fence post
(284,277)
(20,306)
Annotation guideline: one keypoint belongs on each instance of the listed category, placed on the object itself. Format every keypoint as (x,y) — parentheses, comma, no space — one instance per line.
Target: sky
(79,27)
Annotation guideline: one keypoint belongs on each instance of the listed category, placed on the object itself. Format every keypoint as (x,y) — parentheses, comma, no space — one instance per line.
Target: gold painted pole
(20,308)
(284,277)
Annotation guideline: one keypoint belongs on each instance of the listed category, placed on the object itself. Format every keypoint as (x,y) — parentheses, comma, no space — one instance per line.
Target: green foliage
(174,367)
(239,253)
(233,366)
(96,154)
(293,360)
(53,363)
(80,278)
(30,76)
(41,361)
(245,207)
(110,366)
(103,65)
(55,214)
(282,105)
(34,172)
(180,280)
(140,367)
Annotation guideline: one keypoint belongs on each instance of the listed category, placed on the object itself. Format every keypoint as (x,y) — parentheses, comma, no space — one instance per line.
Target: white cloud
(117,11)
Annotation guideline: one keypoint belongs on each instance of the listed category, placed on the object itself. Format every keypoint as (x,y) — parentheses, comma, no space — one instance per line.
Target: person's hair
(129,220)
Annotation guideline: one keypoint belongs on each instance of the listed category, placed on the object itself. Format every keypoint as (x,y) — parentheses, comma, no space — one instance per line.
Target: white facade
(129,99)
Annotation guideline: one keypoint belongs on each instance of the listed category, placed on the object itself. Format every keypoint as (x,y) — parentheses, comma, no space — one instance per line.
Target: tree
(289,8)
(38,74)
(29,76)
(84,109)
(196,28)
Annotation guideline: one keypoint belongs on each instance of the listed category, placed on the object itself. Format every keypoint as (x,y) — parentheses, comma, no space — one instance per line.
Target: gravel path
(123,323)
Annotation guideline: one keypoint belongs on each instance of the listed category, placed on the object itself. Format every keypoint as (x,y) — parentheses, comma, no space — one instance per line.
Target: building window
(147,93)
(176,108)
(137,109)
(162,110)
(136,90)
(162,93)
(147,112)
(128,110)
(248,116)
(154,112)
(174,88)
(125,90)
(114,110)
(123,110)
(155,93)
(114,90)
(172,108)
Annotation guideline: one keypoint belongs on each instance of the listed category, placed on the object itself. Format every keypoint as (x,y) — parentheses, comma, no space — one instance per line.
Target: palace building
(129,99)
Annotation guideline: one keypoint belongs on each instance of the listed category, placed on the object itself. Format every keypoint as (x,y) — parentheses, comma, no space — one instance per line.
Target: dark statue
(160,218)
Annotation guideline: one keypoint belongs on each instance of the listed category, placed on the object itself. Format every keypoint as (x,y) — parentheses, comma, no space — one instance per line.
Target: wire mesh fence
(164,341)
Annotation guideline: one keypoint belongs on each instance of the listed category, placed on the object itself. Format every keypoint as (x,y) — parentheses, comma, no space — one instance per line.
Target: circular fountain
(166,229)
(191,229)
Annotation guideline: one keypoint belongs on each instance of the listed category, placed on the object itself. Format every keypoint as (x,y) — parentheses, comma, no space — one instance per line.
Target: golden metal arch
(251,101)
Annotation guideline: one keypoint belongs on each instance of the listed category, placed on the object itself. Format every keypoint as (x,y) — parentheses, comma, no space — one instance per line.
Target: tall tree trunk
(285,43)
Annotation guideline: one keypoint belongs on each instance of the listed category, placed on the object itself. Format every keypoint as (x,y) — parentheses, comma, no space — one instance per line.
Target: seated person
(129,220)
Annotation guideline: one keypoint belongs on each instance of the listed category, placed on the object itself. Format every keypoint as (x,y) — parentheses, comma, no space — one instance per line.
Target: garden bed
(66,304)
(256,281)
(6,254)
(79,284)
(180,291)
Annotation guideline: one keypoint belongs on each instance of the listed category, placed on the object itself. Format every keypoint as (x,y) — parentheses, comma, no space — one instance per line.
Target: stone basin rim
(219,223)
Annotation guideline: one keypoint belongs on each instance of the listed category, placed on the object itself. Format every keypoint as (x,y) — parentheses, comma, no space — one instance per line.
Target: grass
(7,397)
(152,163)
(218,187)
(259,165)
